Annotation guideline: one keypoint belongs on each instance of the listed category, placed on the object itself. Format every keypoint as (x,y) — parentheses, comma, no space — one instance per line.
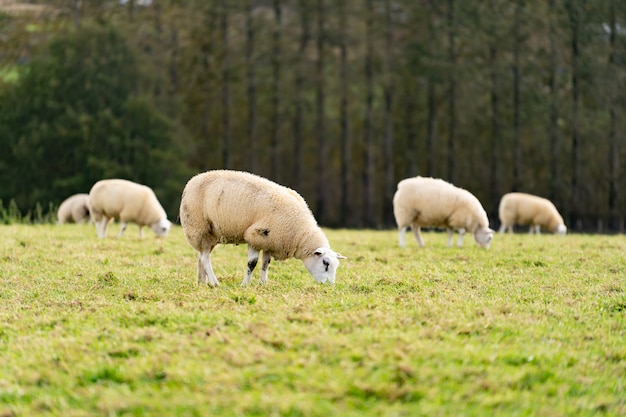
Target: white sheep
(128,202)
(522,209)
(74,209)
(236,207)
(422,201)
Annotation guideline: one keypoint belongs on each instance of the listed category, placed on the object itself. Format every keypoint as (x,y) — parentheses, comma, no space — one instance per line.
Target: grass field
(535,326)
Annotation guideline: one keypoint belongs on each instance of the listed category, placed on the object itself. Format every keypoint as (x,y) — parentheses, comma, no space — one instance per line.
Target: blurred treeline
(338,99)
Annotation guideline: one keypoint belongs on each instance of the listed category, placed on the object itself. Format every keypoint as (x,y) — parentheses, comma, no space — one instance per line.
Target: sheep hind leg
(461,234)
(418,235)
(253,258)
(124,224)
(205,270)
(264,267)
(450,233)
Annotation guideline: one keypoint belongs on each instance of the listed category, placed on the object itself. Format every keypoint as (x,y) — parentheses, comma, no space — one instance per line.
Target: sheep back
(126,201)
(74,209)
(523,208)
(224,206)
(434,202)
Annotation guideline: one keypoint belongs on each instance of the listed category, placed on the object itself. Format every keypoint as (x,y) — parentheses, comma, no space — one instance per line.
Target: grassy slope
(534,326)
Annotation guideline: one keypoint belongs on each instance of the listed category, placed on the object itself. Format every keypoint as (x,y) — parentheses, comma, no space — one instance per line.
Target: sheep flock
(275,222)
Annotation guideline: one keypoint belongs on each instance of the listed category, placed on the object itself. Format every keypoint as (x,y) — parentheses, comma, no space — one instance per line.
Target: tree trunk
(275,91)
(298,95)
(554,111)
(320,126)
(410,109)
(209,48)
(431,102)
(76,13)
(496,133)
(390,183)
(431,125)
(452,94)
(131,10)
(575,219)
(158,89)
(251,89)
(370,168)
(173,64)
(517,44)
(613,140)
(346,156)
(226,149)
(158,16)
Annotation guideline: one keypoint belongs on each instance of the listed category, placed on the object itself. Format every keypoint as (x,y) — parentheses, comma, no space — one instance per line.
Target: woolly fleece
(74,209)
(523,209)
(127,201)
(238,207)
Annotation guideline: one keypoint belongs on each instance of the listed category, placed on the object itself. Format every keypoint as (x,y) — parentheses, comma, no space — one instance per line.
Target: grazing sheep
(522,209)
(422,201)
(74,209)
(238,207)
(129,202)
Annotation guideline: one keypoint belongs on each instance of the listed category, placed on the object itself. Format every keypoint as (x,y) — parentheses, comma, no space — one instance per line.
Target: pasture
(118,327)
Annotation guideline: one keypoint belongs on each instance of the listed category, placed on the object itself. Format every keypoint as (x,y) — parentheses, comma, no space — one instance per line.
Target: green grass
(535,326)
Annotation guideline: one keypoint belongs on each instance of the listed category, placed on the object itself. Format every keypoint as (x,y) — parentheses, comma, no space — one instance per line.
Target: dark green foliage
(76,116)
(517,94)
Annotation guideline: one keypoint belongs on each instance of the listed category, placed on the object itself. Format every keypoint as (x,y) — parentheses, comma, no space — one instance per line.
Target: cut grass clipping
(534,326)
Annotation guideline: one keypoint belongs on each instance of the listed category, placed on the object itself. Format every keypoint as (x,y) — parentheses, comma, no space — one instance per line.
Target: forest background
(337,99)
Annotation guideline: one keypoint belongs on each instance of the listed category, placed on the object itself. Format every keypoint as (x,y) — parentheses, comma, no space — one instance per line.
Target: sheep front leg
(265,266)
(401,234)
(205,270)
(253,258)
(101,227)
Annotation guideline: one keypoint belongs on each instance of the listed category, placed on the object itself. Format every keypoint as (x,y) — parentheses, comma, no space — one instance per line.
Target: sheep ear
(340,256)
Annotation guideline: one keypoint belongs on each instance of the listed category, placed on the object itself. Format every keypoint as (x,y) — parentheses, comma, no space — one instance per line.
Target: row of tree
(337,99)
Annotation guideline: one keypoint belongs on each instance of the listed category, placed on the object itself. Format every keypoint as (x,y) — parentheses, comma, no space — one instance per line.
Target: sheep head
(323,264)
(162,227)
(483,237)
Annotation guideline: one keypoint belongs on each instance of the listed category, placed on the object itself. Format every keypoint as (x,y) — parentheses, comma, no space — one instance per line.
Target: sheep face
(483,237)
(323,265)
(162,227)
